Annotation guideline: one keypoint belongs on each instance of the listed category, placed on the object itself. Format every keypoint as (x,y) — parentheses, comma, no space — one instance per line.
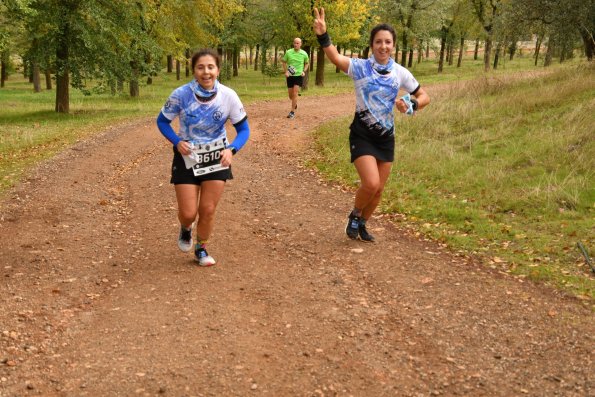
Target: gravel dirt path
(98,301)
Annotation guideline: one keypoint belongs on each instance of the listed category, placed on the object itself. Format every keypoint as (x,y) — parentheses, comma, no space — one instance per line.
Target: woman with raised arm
(202,153)
(377,80)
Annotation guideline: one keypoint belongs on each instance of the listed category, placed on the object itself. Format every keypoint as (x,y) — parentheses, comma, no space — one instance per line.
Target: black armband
(324,40)
(414,104)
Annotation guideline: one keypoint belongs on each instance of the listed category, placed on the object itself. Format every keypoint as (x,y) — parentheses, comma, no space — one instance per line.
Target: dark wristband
(233,150)
(414,104)
(324,40)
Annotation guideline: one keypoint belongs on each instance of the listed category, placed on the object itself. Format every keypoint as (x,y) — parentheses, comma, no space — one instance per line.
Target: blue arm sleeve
(243,130)
(164,125)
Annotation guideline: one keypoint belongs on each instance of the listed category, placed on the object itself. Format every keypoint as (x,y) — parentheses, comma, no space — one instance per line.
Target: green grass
(500,168)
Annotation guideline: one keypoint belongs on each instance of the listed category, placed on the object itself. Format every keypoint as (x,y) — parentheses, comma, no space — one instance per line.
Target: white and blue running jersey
(203,122)
(376,93)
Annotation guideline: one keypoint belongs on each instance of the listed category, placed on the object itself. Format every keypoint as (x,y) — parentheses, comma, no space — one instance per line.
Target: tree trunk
(236,59)
(134,88)
(549,53)
(170,63)
(63,72)
(487,53)
(337,70)
(420,51)
(187,63)
(309,50)
(263,58)
(366,52)
(513,48)
(256,57)
(451,52)
(48,78)
(36,77)
(442,49)
(320,68)
(410,61)
(427,50)
(589,43)
(404,50)
(461,50)
(251,49)
(3,67)
(276,56)
(537,48)
(178,69)
(476,50)
(497,55)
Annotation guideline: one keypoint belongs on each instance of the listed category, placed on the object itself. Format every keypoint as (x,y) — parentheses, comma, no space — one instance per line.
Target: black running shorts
(182,175)
(363,142)
(295,80)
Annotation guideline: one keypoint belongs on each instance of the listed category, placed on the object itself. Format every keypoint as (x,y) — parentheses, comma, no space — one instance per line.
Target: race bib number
(206,158)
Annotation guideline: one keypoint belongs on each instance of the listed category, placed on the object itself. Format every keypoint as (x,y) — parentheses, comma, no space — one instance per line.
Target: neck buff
(382,69)
(202,93)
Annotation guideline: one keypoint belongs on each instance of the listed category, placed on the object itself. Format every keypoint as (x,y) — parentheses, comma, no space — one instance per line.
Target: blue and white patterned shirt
(203,122)
(376,93)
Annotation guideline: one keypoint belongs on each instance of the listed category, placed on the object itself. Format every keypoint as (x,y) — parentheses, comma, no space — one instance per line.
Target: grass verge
(501,168)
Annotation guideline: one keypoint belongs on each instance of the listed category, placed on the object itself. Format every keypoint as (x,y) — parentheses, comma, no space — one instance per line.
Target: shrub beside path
(98,301)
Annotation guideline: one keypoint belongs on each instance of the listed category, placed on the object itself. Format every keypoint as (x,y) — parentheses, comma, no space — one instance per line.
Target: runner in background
(202,154)
(295,65)
(377,80)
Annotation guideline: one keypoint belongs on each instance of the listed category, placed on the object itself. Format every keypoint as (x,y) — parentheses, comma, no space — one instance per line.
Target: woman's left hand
(401,106)
(226,156)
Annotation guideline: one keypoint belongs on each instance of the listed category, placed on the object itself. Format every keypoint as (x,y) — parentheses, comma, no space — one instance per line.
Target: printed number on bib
(206,158)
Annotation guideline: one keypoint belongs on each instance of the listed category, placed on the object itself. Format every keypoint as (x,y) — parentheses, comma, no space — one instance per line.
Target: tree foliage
(109,42)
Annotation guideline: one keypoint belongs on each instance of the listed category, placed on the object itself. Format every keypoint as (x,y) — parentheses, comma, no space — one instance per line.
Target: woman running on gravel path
(202,153)
(371,139)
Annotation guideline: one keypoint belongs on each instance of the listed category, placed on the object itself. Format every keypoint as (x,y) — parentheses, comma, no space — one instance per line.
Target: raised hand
(319,23)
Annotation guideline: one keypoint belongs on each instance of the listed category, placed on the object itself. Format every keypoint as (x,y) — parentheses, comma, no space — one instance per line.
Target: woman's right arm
(341,61)
(164,125)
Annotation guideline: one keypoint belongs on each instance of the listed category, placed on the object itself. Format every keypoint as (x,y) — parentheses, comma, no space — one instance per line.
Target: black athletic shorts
(295,80)
(363,142)
(182,175)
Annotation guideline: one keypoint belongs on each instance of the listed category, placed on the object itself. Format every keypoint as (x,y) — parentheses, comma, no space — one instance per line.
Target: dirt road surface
(97,300)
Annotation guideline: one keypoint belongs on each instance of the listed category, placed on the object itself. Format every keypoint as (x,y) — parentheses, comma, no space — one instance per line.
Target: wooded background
(99,45)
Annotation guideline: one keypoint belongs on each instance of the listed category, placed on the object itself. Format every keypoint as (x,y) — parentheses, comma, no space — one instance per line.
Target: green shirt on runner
(297,59)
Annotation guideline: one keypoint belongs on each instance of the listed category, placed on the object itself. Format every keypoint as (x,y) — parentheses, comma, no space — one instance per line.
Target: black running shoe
(185,239)
(203,258)
(291,115)
(352,228)
(363,233)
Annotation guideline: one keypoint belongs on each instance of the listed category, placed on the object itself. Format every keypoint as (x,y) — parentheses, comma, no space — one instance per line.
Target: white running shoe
(185,239)
(203,258)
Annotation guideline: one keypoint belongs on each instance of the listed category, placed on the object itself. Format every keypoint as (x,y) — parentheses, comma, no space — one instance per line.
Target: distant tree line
(118,43)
